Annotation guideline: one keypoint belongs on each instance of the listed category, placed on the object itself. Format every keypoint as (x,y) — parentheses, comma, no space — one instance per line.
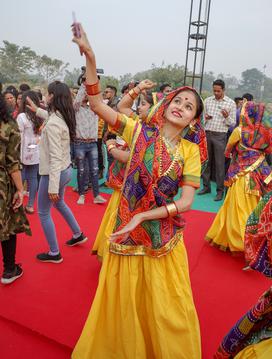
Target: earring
(192,127)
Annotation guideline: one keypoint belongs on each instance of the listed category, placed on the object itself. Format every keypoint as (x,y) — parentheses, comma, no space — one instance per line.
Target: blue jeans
(44,208)
(89,151)
(30,175)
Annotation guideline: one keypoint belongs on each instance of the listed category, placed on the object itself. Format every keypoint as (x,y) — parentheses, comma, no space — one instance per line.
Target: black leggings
(9,251)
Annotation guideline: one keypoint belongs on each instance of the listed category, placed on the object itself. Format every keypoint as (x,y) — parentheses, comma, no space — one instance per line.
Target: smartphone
(76,25)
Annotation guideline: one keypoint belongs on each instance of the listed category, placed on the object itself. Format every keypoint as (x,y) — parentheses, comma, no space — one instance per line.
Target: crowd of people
(157,143)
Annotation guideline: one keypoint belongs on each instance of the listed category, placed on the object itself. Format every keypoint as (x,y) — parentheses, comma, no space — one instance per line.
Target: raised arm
(92,82)
(124,106)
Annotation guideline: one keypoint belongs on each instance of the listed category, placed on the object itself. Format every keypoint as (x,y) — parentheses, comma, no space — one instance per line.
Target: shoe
(46,257)
(75,241)
(81,199)
(99,200)
(9,277)
(218,197)
(204,191)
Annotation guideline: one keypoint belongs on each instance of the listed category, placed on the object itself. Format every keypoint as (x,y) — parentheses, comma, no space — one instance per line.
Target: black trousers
(216,147)
(9,252)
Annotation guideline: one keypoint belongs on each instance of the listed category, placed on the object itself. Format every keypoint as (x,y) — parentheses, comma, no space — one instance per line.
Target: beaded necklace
(175,153)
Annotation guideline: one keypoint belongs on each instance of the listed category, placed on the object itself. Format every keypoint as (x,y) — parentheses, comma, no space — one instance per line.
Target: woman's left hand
(124,232)
(17,200)
(54,197)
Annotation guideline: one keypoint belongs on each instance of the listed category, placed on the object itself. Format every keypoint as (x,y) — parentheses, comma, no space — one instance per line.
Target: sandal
(29,210)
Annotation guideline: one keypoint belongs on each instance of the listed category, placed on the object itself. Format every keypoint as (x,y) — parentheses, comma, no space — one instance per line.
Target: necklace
(175,159)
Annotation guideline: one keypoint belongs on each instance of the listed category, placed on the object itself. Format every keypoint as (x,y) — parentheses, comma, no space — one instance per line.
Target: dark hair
(36,121)
(220,83)
(237,99)
(124,88)
(4,112)
(113,88)
(248,96)
(13,90)
(148,96)
(163,86)
(39,94)
(24,87)
(62,102)
(1,87)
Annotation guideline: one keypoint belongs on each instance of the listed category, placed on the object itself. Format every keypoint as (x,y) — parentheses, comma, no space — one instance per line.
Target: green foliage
(109,80)
(50,69)
(16,61)
(172,74)
(71,77)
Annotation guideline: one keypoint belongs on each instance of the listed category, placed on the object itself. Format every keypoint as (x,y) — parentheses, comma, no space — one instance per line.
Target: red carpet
(42,314)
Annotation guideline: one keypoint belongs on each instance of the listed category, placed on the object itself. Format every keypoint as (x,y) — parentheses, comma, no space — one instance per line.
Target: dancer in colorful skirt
(249,177)
(143,305)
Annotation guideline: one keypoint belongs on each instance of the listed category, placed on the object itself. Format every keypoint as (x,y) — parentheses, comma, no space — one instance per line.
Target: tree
(50,69)
(251,82)
(109,80)
(16,61)
(71,77)
(125,79)
(172,74)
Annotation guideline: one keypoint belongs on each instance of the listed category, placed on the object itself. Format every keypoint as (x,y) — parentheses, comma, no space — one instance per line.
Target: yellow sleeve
(233,139)
(192,165)
(124,127)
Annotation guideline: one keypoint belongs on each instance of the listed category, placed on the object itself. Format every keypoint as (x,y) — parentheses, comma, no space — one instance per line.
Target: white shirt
(29,141)
(213,107)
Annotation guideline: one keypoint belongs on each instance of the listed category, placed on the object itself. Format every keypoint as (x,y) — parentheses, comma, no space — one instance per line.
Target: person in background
(220,114)
(24,87)
(165,89)
(19,100)
(30,124)
(12,217)
(10,99)
(55,169)
(249,177)
(85,146)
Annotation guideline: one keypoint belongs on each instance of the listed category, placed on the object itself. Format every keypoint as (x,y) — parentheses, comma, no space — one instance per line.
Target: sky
(129,36)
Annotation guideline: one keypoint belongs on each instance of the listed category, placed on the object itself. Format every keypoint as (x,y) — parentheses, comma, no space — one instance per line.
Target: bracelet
(172,209)
(94,89)
(111,147)
(133,94)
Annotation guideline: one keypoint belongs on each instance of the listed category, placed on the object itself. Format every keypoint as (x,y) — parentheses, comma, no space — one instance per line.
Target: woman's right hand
(17,200)
(81,41)
(31,105)
(146,85)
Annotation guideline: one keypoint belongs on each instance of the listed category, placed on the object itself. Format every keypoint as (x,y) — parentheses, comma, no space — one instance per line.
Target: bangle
(133,94)
(111,147)
(172,209)
(94,89)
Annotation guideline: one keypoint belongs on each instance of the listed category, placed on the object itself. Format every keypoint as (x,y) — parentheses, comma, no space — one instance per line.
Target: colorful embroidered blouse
(144,189)
(247,162)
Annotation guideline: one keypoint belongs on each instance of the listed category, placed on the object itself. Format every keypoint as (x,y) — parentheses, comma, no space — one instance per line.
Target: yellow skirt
(228,228)
(262,350)
(107,224)
(143,308)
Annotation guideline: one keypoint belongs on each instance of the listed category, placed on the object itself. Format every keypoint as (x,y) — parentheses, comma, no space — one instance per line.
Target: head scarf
(248,155)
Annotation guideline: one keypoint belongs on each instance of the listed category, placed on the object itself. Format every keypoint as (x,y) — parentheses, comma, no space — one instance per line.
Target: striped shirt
(86,119)
(213,107)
